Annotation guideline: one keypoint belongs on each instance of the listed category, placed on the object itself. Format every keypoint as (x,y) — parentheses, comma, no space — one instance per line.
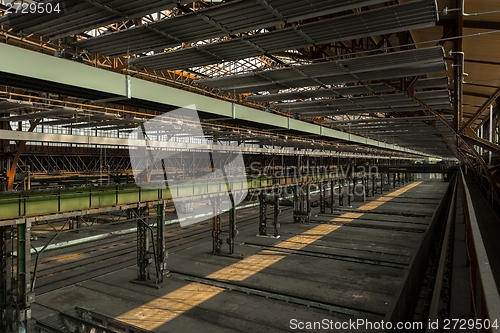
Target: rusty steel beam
(474,94)
(481,110)
(12,172)
(428,110)
(410,88)
(473,139)
(480,62)
(495,111)
(474,24)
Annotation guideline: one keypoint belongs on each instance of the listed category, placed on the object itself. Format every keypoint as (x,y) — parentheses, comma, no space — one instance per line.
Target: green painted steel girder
(51,201)
(25,64)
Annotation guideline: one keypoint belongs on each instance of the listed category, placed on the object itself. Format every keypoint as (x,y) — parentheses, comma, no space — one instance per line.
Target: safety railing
(485,299)
(402,308)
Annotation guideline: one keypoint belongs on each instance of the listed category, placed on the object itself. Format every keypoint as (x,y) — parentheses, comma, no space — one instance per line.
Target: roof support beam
(472,138)
(473,24)
(107,8)
(481,110)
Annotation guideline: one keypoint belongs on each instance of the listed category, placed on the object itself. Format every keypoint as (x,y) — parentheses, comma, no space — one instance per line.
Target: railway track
(76,264)
(91,260)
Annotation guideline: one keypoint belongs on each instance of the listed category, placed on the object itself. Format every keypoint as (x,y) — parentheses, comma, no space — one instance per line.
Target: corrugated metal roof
(370,68)
(385,103)
(225,19)
(396,18)
(78,16)
(133,41)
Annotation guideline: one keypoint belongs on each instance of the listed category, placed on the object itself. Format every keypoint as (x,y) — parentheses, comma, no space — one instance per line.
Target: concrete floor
(346,268)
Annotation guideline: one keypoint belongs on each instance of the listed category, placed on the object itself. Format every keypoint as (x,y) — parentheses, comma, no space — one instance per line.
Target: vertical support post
(393,180)
(308,202)
(24,295)
(322,197)
(341,192)
(161,253)
(364,183)
(143,255)
(263,214)
(216,221)
(491,131)
(276,213)
(232,229)
(373,185)
(7,306)
(349,188)
(332,197)
(296,203)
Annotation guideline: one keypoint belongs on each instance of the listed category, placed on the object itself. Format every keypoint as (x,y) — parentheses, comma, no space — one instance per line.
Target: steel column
(276,213)
(332,197)
(322,197)
(308,202)
(491,131)
(296,203)
(24,295)
(143,254)
(373,185)
(232,228)
(341,192)
(7,306)
(382,182)
(349,188)
(263,213)
(161,253)
(216,222)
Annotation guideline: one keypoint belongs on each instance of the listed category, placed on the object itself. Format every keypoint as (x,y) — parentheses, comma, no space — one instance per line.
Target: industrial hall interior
(249,166)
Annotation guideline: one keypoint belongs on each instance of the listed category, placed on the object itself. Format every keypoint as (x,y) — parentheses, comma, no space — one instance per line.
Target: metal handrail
(485,299)
(437,295)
